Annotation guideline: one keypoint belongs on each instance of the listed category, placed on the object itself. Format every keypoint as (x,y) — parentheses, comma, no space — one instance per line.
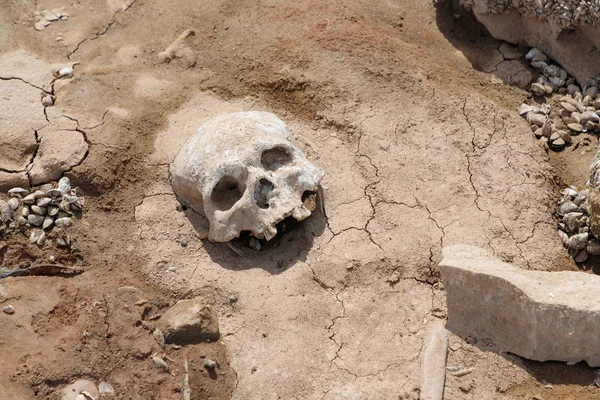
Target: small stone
(8,309)
(160,337)
(578,242)
(13,203)
(38,210)
(210,364)
(189,321)
(43,202)
(66,72)
(593,248)
(565,137)
(567,207)
(160,363)
(183,242)
(233,298)
(106,389)
(47,100)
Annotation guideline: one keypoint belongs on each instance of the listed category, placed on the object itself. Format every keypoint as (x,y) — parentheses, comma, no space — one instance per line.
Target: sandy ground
(421,146)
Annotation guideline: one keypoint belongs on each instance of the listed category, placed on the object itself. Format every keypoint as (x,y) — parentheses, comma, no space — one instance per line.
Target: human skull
(244,174)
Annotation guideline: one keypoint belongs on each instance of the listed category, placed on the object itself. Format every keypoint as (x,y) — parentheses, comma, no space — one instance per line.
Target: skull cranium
(244,174)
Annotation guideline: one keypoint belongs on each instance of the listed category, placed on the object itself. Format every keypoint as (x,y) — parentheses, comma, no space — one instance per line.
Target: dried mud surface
(421,146)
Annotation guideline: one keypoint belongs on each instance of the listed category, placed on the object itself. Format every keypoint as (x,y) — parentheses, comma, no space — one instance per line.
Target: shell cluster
(577,110)
(564,13)
(552,78)
(48,212)
(574,229)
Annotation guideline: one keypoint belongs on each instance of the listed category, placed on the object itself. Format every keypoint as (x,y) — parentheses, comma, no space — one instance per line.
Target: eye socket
(275,158)
(227,192)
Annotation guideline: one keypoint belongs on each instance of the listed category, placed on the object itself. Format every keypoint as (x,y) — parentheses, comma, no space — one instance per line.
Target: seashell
(52,210)
(565,136)
(29,199)
(591,91)
(593,248)
(575,127)
(61,242)
(583,208)
(33,237)
(525,109)
(539,56)
(584,229)
(65,206)
(581,256)
(45,187)
(64,184)
(563,74)
(538,89)
(558,144)
(597,103)
(578,242)
(48,221)
(25,211)
(5,211)
(576,116)
(532,53)
(572,89)
(567,207)
(19,192)
(569,107)
(551,70)
(38,210)
(13,203)
(22,221)
(587,100)
(41,239)
(39,194)
(43,202)
(590,116)
(536,119)
(581,197)
(35,219)
(564,238)
(77,205)
(568,192)
(573,221)
(54,193)
(63,222)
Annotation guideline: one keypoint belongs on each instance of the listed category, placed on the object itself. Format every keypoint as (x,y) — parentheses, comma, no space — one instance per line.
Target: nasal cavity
(262,193)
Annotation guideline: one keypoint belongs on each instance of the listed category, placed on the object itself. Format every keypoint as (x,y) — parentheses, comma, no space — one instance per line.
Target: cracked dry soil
(422,149)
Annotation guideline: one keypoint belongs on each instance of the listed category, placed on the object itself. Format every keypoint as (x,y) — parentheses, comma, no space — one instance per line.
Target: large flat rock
(537,315)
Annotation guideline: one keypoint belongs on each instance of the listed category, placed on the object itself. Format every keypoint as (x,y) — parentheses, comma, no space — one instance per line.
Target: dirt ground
(421,146)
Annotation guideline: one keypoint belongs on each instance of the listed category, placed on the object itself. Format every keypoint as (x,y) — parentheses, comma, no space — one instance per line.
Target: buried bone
(244,174)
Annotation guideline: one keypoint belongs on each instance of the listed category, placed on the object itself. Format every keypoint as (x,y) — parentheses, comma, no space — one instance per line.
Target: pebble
(210,364)
(183,242)
(581,256)
(106,389)
(8,309)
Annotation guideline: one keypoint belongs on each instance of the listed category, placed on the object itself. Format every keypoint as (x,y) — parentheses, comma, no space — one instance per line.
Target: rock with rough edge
(537,315)
(189,322)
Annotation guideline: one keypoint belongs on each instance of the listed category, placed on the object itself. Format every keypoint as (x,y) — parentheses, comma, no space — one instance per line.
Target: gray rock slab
(537,315)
